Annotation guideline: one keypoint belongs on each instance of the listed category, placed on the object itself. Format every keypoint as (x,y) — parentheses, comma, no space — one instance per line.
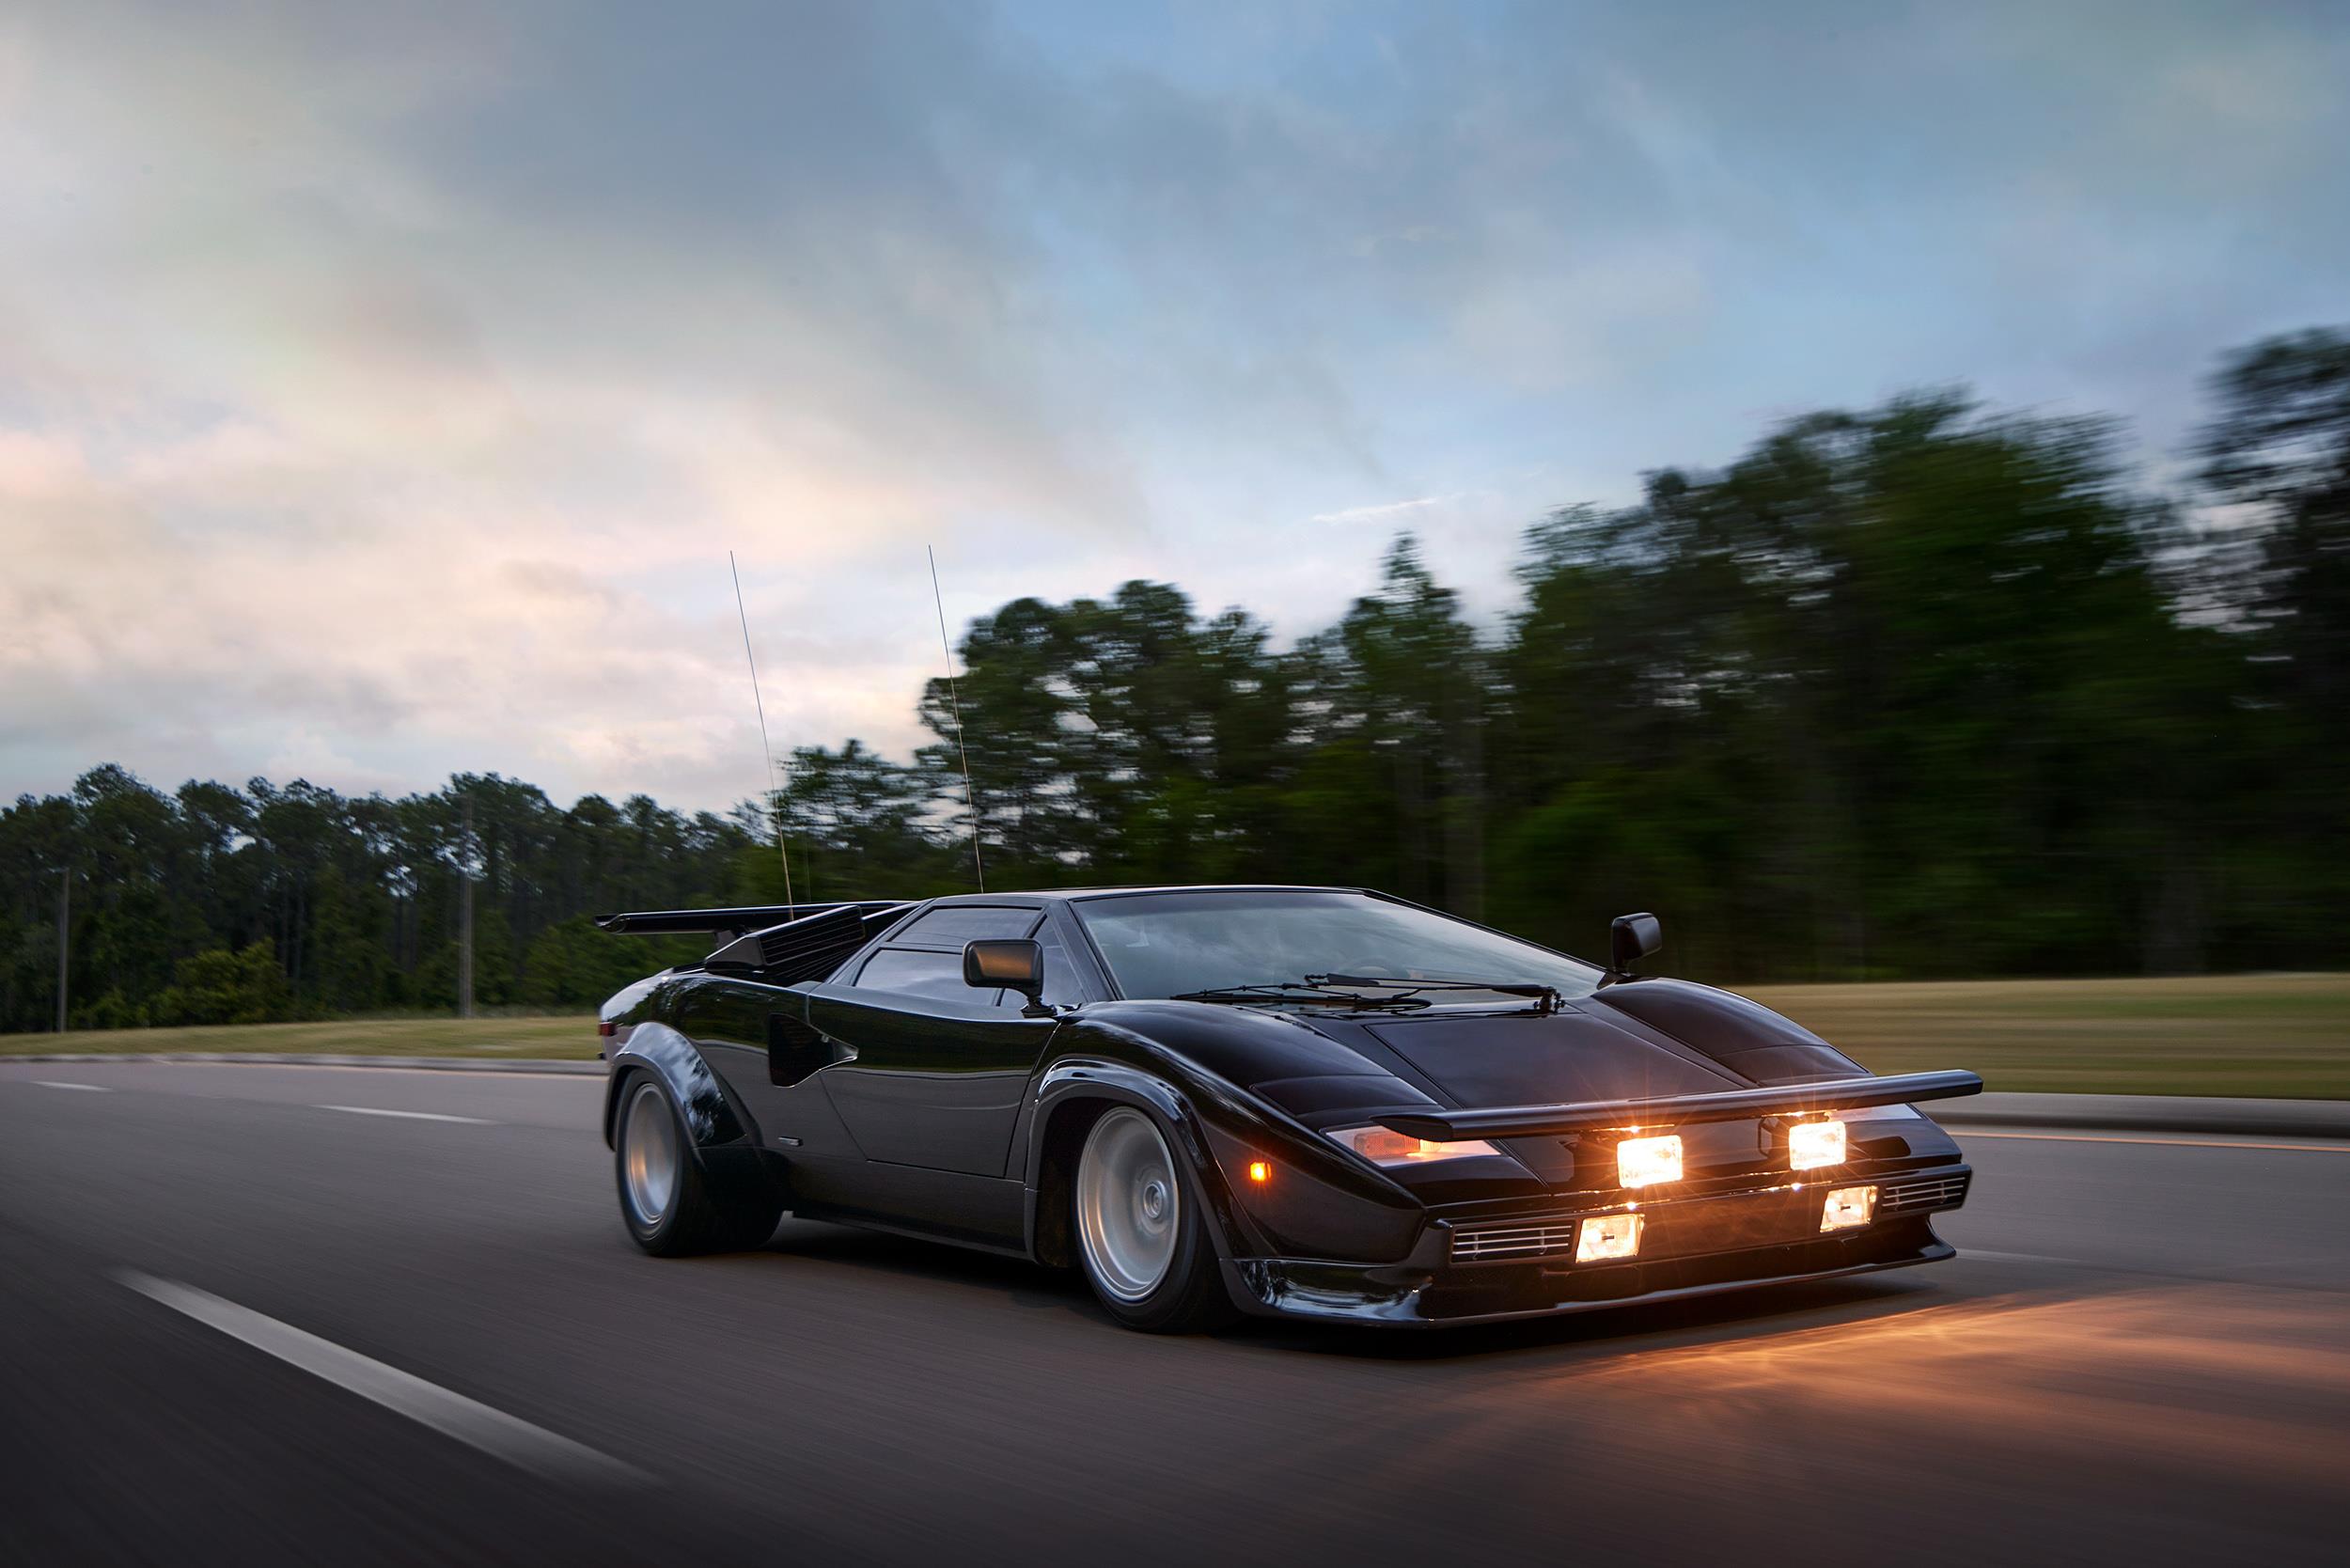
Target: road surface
(247,1316)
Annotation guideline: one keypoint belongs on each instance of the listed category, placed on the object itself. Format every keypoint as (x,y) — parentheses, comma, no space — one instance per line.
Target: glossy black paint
(955,1114)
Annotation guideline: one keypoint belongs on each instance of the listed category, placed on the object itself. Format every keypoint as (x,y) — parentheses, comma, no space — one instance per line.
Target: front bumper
(1693,1246)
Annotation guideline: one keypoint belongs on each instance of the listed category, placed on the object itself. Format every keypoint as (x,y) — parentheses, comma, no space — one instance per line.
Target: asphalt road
(239,1325)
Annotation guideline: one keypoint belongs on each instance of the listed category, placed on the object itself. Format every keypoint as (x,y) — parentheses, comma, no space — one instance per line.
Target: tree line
(1924,690)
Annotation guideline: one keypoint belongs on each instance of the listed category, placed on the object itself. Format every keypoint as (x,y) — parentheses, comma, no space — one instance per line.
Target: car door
(939,1069)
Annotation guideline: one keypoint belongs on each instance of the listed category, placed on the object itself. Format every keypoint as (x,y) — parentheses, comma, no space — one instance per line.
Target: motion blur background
(1870,484)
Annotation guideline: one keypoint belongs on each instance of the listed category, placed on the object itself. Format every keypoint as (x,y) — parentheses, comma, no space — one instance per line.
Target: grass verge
(2281,1035)
(2286,1036)
(352,1037)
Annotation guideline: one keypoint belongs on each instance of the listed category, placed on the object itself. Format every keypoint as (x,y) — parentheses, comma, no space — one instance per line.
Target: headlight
(1811,1144)
(1641,1161)
(1848,1208)
(1604,1237)
(1382,1147)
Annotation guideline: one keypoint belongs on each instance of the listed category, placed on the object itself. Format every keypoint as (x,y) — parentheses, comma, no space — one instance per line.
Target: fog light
(1848,1208)
(1606,1237)
(1815,1143)
(1641,1161)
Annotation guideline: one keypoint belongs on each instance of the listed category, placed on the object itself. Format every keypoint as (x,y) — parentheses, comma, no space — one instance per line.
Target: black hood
(1526,1058)
(1640,1040)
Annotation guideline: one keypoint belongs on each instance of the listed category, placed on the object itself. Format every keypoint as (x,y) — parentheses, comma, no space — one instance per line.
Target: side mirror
(1632,938)
(1007,962)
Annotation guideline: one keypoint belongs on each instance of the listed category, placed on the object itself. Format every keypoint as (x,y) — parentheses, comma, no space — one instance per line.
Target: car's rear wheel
(669,1202)
(1142,1233)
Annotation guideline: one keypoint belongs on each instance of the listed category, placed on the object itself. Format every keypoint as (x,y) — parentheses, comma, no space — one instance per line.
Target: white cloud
(382,387)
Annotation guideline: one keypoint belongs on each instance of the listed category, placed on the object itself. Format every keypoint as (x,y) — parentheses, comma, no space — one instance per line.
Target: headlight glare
(1643,1161)
(1813,1144)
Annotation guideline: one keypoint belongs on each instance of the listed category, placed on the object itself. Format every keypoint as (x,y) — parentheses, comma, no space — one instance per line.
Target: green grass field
(572,1037)
(2283,1035)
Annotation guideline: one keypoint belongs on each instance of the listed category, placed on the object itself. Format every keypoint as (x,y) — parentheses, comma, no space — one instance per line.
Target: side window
(921,974)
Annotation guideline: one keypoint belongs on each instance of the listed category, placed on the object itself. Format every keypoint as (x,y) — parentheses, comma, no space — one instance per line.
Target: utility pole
(464,920)
(65,936)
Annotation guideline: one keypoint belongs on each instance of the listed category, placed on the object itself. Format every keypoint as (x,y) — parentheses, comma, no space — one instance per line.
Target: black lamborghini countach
(1307,1102)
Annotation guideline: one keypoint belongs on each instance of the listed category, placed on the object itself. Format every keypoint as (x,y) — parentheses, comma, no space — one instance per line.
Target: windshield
(1168,944)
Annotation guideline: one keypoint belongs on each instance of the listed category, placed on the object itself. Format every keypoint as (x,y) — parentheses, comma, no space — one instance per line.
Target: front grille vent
(1926,1192)
(1494,1243)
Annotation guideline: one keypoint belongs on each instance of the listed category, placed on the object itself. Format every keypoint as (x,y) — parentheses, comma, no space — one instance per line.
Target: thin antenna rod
(955,702)
(774,791)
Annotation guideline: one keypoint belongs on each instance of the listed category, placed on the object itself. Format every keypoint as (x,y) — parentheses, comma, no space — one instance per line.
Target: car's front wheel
(1142,1233)
(669,1201)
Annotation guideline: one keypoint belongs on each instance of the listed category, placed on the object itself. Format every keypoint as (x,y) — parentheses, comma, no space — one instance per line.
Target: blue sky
(382,387)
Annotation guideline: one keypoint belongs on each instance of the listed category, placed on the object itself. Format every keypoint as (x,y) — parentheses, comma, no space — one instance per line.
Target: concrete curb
(548,1066)
(2150,1113)
(2112,1113)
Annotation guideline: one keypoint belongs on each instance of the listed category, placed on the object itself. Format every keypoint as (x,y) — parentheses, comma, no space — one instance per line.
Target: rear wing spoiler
(1728,1105)
(730,922)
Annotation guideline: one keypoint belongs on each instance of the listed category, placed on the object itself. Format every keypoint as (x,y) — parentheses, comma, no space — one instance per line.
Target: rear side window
(921,974)
(952,925)
(1060,977)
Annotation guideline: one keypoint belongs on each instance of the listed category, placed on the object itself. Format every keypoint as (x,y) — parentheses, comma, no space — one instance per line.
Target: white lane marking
(2161,1142)
(411,1116)
(470,1421)
(87,1089)
(2021,1257)
(444,1074)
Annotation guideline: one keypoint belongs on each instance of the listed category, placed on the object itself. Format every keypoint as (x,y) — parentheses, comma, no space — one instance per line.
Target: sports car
(1303,1102)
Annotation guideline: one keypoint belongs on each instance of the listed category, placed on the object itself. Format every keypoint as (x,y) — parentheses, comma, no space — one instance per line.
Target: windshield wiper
(1545,998)
(1309,990)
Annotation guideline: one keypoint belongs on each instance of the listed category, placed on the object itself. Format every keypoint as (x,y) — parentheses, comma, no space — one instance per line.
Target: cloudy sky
(382,387)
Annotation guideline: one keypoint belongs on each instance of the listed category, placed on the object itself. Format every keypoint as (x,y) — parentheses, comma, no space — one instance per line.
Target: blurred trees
(221,905)
(2277,571)
(1923,690)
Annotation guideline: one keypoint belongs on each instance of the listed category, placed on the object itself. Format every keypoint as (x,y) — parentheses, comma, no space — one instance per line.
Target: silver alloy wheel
(649,1154)
(1129,1204)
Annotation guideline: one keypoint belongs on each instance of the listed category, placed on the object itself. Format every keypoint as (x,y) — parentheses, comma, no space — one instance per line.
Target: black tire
(1165,1279)
(683,1212)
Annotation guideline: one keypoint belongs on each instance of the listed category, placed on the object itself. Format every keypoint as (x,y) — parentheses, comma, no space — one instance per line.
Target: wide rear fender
(656,1048)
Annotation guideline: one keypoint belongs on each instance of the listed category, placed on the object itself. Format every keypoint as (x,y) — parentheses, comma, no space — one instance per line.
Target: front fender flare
(1098,1078)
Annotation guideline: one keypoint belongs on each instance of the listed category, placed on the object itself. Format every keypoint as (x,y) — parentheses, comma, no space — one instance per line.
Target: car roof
(1039,895)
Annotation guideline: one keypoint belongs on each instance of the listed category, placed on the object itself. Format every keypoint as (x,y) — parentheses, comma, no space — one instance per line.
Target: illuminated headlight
(1382,1147)
(1642,1161)
(1608,1236)
(1811,1144)
(1848,1208)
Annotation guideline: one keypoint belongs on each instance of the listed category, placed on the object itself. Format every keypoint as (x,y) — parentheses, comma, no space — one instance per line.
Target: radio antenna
(955,703)
(774,791)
